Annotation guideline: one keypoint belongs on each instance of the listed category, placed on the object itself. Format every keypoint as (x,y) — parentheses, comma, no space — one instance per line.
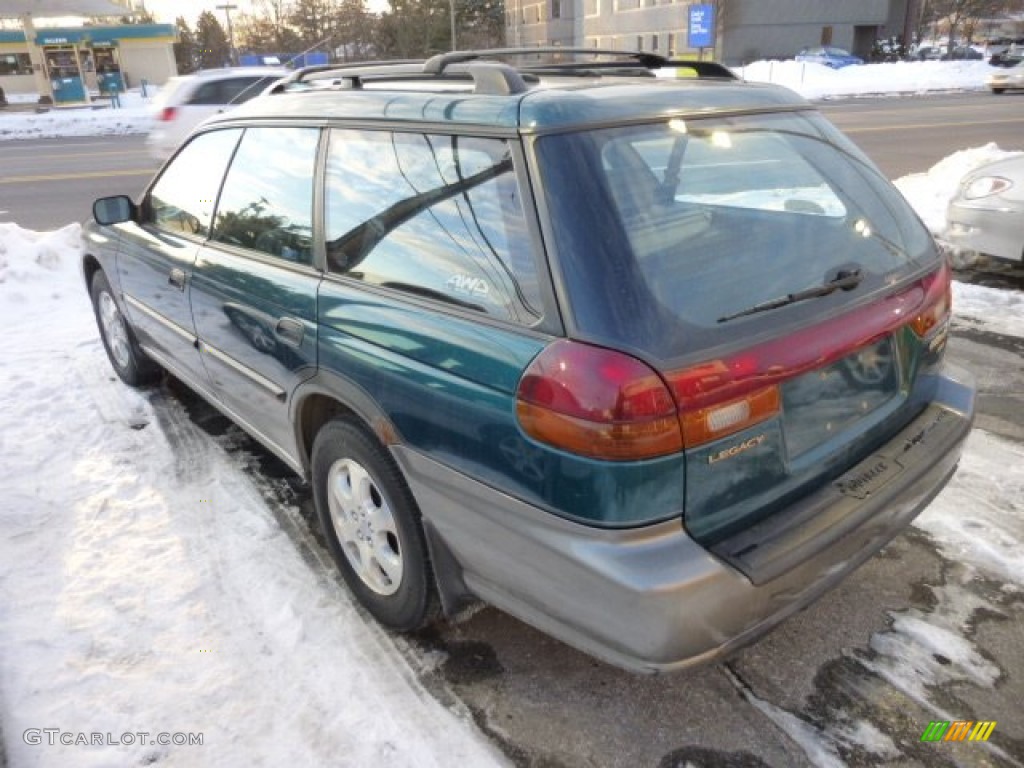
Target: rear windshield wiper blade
(846,280)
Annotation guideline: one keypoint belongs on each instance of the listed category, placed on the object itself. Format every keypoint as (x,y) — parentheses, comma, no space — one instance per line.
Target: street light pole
(451,6)
(228,8)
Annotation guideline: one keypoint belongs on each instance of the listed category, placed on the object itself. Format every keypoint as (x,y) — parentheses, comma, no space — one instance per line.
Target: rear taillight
(723,396)
(167,114)
(938,303)
(598,403)
(608,405)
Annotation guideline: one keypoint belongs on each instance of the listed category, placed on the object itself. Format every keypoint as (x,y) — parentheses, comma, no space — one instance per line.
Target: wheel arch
(90,266)
(328,396)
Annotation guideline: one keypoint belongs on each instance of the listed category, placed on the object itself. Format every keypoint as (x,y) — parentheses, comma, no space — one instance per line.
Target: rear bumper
(998,233)
(651,599)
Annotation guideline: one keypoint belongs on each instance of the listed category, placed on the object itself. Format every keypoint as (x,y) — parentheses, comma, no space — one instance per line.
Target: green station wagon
(649,363)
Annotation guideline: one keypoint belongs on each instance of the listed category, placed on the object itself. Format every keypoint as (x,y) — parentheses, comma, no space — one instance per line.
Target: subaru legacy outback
(649,363)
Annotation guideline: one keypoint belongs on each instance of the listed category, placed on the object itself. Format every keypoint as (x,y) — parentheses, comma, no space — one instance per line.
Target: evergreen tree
(186,51)
(212,41)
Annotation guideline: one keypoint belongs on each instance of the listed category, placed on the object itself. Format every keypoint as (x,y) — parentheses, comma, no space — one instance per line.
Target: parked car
(1007,79)
(986,215)
(185,101)
(649,364)
(930,53)
(964,53)
(836,58)
(1006,59)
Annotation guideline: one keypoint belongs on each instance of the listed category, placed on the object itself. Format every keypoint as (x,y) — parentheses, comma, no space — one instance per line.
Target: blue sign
(701,28)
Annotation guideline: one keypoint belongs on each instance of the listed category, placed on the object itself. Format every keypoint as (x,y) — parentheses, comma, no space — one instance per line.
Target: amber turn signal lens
(702,425)
(938,303)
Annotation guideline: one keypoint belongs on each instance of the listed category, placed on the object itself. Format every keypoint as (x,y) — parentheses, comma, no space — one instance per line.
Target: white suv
(185,101)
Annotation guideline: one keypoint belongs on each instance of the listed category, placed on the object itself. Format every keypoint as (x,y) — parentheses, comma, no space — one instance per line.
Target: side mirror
(113,210)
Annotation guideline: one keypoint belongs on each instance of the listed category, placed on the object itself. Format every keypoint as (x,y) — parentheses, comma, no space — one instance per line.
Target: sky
(168,10)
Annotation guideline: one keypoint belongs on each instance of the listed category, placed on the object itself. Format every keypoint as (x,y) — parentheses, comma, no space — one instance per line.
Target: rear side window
(206,94)
(233,90)
(240,90)
(267,201)
(182,199)
(433,216)
(669,234)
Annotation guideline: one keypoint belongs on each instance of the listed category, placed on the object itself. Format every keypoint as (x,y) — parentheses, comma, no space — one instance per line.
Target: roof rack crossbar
(302,74)
(490,77)
(497,77)
(437,64)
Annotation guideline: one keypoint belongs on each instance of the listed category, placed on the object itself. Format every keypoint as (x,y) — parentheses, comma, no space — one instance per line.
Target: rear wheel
(372,526)
(998,90)
(129,361)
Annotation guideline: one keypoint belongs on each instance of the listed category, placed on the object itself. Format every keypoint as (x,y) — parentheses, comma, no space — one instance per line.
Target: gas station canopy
(58,66)
(51,8)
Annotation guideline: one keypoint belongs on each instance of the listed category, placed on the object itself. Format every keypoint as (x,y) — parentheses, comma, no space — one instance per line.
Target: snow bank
(997,310)
(147,587)
(930,192)
(135,116)
(815,81)
(33,260)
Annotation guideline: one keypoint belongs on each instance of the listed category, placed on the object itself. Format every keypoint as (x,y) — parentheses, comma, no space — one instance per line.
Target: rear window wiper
(845,280)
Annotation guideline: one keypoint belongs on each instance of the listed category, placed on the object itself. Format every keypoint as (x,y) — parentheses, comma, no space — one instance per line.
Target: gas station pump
(108,68)
(64,71)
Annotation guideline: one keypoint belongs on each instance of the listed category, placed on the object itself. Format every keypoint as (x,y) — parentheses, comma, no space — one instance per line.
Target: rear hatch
(786,293)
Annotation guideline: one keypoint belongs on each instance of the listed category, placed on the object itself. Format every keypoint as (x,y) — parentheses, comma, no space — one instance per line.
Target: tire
(372,526)
(997,91)
(128,360)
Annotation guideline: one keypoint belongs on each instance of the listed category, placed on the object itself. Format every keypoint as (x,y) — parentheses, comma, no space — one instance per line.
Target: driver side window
(181,202)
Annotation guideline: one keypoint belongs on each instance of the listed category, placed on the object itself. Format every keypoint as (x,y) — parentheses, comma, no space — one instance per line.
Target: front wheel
(129,362)
(372,526)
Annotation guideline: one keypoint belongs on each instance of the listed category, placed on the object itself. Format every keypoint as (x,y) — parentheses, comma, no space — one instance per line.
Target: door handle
(177,279)
(290,331)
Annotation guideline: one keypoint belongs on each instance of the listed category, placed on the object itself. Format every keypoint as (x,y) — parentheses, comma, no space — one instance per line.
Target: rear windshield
(668,233)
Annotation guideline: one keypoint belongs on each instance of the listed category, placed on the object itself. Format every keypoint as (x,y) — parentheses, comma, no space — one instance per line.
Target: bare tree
(961,15)
(276,14)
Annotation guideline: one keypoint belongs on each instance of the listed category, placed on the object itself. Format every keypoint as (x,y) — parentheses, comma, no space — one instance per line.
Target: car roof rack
(495,77)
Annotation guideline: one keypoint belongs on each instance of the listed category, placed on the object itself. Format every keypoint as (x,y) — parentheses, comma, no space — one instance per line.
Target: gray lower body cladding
(651,599)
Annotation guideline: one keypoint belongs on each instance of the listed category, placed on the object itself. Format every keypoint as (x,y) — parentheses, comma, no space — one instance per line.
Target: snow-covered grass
(134,116)
(145,585)
(816,81)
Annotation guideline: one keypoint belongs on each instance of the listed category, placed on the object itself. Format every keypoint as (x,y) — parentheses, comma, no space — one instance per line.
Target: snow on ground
(816,81)
(930,192)
(145,586)
(100,119)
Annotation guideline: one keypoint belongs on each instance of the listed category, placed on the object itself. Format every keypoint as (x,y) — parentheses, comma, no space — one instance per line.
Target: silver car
(185,101)
(1007,79)
(986,215)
